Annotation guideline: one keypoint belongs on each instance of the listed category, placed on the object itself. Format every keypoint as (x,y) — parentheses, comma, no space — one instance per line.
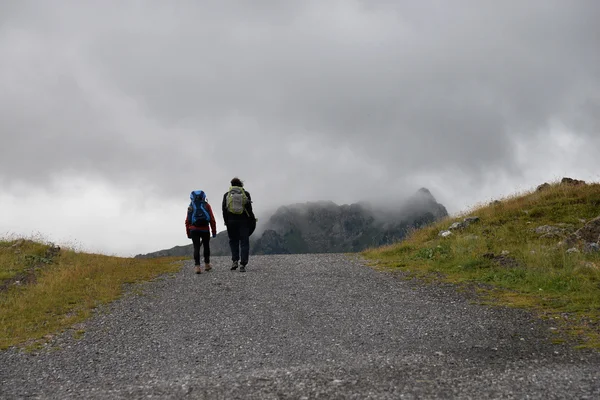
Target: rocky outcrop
(543,186)
(587,237)
(590,232)
(563,181)
(558,231)
(571,181)
(272,242)
(503,259)
(459,225)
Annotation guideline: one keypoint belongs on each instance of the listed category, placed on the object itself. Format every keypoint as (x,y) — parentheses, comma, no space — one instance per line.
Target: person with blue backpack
(240,221)
(199,222)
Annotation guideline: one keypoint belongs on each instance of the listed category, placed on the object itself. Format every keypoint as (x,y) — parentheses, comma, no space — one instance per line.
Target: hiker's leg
(233,231)
(196,241)
(206,243)
(244,242)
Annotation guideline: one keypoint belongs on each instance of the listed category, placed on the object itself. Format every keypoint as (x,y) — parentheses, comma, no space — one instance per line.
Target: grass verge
(510,263)
(45,290)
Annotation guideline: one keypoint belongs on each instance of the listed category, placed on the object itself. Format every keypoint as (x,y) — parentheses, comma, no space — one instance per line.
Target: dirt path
(302,326)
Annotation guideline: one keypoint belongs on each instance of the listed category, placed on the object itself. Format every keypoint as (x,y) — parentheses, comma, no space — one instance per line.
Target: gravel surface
(302,326)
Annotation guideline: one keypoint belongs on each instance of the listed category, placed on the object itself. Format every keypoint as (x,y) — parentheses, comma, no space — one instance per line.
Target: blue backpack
(200,215)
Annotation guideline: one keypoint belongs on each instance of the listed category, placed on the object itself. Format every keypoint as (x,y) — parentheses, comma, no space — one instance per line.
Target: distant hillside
(325,227)
(219,246)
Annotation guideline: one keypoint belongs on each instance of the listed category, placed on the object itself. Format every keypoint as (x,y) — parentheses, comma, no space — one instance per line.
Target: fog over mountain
(111,112)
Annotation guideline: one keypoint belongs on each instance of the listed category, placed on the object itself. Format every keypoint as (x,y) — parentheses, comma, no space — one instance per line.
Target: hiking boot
(234,266)
(198,270)
(207,267)
(243,268)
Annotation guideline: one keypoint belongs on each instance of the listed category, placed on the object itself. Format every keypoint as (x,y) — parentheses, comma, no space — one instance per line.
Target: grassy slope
(540,275)
(66,287)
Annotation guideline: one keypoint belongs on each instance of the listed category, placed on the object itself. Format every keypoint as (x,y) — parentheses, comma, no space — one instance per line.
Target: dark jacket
(248,214)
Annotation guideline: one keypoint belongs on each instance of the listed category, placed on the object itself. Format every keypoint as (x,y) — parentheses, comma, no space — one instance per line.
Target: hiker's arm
(187,223)
(224,207)
(213,223)
(249,207)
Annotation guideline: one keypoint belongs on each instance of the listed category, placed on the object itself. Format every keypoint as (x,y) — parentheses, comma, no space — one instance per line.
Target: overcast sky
(111,112)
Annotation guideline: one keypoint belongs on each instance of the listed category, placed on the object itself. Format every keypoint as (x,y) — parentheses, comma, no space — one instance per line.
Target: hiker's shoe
(234,266)
(207,267)
(198,270)
(243,268)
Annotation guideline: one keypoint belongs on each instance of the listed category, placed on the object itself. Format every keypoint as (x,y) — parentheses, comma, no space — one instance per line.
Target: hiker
(198,223)
(240,221)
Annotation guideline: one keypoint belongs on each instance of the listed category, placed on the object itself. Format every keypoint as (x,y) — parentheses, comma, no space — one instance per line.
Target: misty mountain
(325,227)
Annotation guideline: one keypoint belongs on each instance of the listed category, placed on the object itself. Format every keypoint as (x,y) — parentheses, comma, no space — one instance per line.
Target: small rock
(591,247)
(505,253)
(564,225)
(589,265)
(573,250)
(457,225)
(571,181)
(445,233)
(52,251)
(551,235)
(471,220)
(590,232)
(543,186)
(570,241)
(548,229)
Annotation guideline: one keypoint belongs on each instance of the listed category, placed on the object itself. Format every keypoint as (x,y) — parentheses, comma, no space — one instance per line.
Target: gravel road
(302,327)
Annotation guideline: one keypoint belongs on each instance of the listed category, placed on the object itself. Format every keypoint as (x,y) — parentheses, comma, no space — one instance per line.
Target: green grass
(66,288)
(538,275)
(15,261)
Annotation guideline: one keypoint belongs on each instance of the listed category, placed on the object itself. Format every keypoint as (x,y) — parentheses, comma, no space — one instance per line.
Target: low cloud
(343,101)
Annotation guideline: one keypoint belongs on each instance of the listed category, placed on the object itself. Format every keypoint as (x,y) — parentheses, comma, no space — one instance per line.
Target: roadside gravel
(301,326)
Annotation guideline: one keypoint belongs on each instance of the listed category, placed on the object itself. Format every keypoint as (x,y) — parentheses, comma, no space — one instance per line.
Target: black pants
(239,239)
(199,238)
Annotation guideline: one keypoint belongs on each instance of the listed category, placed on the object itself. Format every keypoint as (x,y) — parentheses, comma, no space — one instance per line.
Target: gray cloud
(306,100)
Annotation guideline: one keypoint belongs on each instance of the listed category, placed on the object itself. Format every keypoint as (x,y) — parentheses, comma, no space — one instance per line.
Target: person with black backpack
(240,221)
(198,223)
